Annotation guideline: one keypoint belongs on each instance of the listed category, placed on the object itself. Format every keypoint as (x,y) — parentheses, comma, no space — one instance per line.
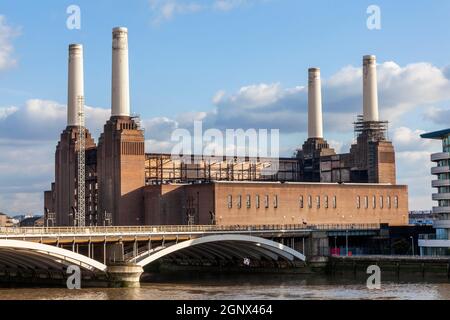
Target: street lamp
(346,243)
(412,244)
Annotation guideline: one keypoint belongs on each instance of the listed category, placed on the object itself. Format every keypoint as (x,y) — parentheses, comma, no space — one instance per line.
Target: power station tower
(81,144)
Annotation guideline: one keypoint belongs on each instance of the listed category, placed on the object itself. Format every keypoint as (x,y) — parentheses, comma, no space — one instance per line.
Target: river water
(244,286)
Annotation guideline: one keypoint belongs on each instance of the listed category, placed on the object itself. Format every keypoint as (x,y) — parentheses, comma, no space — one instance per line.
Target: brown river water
(244,286)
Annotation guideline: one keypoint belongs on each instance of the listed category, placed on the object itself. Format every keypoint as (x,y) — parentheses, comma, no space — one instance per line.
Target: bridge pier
(124,275)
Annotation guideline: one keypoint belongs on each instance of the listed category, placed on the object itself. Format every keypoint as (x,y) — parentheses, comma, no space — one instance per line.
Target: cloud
(437,115)
(6,111)
(7,34)
(22,203)
(407,140)
(26,169)
(414,165)
(28,137)
(401,90)
(228,5)
(44,120)
(166,10)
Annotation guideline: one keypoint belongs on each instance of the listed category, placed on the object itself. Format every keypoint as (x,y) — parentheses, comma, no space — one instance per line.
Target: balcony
(439,170)
(440,183)
(434,243)
(440,156)
(441,196)
(441,224)
(439,210)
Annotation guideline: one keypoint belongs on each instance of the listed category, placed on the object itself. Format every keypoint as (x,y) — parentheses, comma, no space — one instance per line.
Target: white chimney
(76,83)
(120,95)
(370,88)
(315,129)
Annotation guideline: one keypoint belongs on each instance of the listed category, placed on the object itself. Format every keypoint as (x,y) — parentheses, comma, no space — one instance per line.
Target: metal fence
(38,231)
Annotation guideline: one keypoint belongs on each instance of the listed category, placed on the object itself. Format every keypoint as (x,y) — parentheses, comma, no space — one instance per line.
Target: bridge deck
(68,235)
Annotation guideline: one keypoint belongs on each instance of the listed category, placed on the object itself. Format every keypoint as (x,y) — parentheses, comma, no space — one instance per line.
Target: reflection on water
(246,286)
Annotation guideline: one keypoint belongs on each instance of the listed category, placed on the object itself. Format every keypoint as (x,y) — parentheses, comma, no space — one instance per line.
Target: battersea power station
(125,186)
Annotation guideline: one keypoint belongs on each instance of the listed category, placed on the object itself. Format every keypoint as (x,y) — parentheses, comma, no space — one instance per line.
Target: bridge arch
(30,255)
(237,246)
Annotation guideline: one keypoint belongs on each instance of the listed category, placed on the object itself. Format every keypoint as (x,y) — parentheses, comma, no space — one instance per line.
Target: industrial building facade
(126,186)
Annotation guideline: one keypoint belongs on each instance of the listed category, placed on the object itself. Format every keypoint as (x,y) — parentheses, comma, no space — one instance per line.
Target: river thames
(246,287)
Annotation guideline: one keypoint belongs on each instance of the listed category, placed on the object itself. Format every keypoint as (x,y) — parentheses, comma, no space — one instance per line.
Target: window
(266,201)
(257,201)
(366,202)
(230,201)
(309,202)
(396,202)
(358,202)
(325,200)
(388,202)
(301,202)
(381,202)
(334,202)
(248,202)
(318,202)
(275,201)
(239,201)
(374,202)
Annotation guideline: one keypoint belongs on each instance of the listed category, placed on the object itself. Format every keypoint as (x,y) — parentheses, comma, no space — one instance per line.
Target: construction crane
(80,215)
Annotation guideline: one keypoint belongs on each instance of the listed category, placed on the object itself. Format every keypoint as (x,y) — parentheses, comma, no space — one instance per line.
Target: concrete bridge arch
(25,255)
(224,247)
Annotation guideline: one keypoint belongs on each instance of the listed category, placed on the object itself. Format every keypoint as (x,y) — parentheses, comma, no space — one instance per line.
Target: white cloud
(406,139)
(6,111)
(413,170)
(7,34)
(401,90)
(44,119)
(28,137)
(21,203)
(227,5)
(166,10)
(438,116)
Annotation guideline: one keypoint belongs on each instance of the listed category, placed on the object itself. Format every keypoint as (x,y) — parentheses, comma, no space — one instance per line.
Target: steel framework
(80,217)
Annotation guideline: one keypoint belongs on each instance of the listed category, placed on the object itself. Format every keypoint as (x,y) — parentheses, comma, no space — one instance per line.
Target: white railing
(48,231)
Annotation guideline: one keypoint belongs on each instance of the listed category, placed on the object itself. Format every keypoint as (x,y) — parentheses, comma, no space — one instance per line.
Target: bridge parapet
(100,230)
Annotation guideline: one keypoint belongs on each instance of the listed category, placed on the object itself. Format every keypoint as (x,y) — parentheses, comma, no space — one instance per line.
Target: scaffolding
(80,215)
(374,130)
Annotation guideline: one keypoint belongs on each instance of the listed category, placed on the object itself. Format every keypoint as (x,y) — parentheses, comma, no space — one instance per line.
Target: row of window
(266,201)
(248,201)
(382,202)
(317,202)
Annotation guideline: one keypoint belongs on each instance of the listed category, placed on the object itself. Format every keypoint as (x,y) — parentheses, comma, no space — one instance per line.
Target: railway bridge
(118,255)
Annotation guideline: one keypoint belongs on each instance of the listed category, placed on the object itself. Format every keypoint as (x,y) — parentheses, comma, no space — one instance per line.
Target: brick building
(126,186)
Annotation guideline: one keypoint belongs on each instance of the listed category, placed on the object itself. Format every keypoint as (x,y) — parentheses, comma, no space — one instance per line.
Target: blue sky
(183,53)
